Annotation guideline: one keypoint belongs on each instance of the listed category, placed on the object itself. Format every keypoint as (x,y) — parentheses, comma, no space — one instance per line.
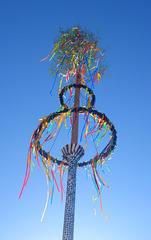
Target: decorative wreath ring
(103,155)
(63,91)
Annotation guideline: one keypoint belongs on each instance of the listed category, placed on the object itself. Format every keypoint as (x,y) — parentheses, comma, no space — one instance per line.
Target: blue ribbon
(56,76)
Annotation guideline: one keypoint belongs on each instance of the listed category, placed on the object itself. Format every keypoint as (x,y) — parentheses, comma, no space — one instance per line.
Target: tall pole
(72,153)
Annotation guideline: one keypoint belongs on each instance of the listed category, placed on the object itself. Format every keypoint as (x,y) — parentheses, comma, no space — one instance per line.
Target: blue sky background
(28,29)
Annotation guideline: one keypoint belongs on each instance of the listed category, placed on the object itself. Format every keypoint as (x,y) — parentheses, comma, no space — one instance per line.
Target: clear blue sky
(27,31)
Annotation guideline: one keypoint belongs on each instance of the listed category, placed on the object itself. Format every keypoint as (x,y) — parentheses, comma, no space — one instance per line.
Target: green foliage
(75,49)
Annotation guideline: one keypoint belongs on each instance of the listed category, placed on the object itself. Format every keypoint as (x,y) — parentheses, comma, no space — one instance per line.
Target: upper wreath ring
(63,91)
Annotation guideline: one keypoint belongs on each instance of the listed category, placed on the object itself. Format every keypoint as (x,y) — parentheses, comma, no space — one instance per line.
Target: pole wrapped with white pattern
(71,154)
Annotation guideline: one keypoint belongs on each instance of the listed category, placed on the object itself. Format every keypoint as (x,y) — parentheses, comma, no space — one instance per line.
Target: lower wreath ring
(105,152)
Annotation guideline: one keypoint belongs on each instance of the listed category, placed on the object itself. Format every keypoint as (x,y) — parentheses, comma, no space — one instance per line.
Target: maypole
(77,59)
(68,228)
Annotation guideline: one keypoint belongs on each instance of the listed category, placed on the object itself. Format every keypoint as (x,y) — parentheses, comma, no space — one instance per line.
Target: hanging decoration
(75,49)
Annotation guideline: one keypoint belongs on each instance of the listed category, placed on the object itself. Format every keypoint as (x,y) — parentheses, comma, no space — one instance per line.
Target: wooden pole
(74,136)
